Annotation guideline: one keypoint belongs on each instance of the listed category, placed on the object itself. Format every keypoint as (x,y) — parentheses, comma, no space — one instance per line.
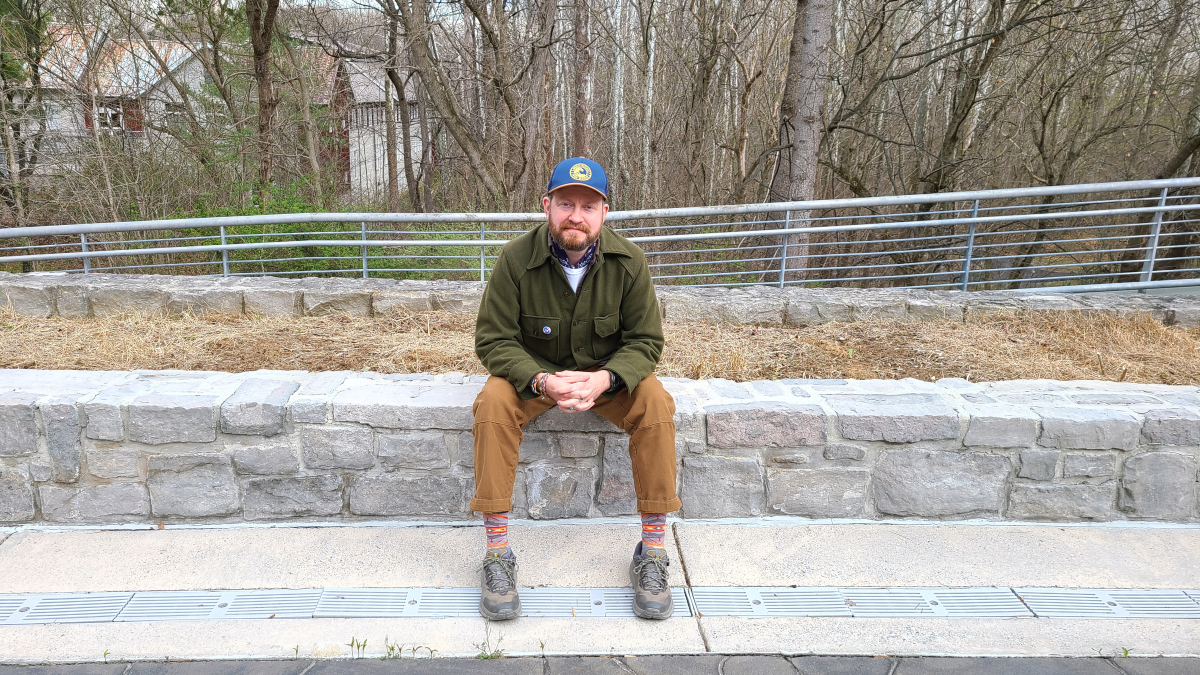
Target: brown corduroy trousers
(648,416)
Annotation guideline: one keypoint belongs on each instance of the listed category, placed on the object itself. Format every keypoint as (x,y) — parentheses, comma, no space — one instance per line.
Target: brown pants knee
(648,416)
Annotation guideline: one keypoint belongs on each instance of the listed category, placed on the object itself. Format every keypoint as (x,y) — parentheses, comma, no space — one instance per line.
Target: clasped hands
(577,390)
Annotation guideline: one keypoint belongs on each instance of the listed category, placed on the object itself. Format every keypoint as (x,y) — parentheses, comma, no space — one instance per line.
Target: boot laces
(652,573)
(501,573)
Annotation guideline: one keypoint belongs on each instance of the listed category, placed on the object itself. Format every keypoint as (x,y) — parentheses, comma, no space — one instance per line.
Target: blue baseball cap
(579,171)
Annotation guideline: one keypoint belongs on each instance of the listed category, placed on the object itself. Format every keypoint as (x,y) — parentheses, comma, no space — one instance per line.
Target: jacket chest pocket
(541,334)
(607,336)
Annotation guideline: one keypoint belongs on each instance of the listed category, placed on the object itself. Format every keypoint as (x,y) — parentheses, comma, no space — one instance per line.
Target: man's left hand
(586,388)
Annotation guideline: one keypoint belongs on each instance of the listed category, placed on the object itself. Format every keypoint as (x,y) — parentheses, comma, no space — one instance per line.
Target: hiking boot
(651,587)
(498,599)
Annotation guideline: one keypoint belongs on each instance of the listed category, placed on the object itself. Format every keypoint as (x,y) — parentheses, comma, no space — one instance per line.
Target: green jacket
(530,320)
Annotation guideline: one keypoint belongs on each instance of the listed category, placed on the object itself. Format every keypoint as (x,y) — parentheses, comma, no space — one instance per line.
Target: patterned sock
(654,530)
(496,525)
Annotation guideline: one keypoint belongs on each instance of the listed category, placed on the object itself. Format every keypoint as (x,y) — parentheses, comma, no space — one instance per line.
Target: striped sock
(654,530)
(496,525)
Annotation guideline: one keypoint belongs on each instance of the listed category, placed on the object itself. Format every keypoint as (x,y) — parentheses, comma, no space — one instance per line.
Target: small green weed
(486,649)
(357,648)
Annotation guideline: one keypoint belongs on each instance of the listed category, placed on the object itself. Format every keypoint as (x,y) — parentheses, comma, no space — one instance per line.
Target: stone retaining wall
(80,296)
(150,446)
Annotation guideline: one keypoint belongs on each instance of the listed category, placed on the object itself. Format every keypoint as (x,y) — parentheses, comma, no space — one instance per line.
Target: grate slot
(169,606)
(718,601)
(9,605)
(979,602)
(618,603)
(348,603)
(449,602)
(70,608)
(280,604)
(1068,603)
(886,602)
(803,602)
(1155,604)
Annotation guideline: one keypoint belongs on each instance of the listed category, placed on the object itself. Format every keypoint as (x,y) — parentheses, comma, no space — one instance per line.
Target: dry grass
(1002,347)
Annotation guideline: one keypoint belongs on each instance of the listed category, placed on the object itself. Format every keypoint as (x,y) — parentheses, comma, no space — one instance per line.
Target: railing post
(1152,245)
(966,271)
(364,249)
(87,260)
(224,255)
(787,225)
(482,259)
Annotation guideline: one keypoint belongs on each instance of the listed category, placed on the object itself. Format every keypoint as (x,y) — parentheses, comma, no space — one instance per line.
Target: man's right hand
(561,390)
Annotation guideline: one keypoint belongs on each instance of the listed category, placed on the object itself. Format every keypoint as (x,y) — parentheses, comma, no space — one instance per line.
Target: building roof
(122,68)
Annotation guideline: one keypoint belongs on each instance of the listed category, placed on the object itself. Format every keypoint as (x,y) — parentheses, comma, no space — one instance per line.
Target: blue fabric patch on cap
(579,171)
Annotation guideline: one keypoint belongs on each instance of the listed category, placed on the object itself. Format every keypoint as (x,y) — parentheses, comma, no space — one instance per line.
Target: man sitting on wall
(570,318)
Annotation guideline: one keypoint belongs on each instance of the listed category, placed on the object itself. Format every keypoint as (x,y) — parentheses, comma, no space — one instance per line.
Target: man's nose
(576,215)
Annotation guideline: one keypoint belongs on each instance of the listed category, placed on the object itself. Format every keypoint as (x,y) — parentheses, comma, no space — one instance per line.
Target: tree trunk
(800,116)
(261,14)
(393,171)
(311,145)
(583,81)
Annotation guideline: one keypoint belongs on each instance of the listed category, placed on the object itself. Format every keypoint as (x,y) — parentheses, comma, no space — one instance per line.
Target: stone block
(64,428)
(769,388)
(459,299)
(578,445)
(387,303)
(1102,398)
(156,419)
(41,472)
(882,306)
(1088,465)
(765,424)
(408,494)
(554,491)
(323,384)
(406,406)
(271,459)
(71,299)
(720,487)
(337,447)
(192,486)
(584,422)
(1062,502)
(937,306)
(309,409)
(414,450)
(932,483)
(1088,428)
(272,302)
(809,306)
(616,496)
(16,496)
(98,503)
(292,496)
(128,298)
(18,424)
(257,407)
(1000,426)
(1038,464)
(896,418)
(536,447)
(730,389)
(1159,485)
(836,451)
(465,451)
(103,413)
(27,296)
(817,493)
(198,301)
(738,306)
(1174,426)
(324,303)
(114,463)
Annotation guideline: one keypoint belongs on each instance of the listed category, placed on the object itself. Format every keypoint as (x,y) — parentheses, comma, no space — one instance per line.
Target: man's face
(576,215)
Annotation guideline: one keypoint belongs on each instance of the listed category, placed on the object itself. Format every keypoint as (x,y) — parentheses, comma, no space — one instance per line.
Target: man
(569,319)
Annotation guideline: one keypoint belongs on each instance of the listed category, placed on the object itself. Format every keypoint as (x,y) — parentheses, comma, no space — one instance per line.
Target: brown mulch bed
(1062,346)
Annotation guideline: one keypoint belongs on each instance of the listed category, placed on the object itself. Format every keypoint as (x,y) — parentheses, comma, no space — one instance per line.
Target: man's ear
(546,205)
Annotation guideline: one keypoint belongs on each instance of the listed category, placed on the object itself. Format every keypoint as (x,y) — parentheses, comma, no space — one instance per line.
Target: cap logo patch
(581,171)
(546,330)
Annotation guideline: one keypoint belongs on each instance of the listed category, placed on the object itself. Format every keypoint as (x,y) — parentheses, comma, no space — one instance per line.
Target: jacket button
(574,323)
(566,294)
(578,349)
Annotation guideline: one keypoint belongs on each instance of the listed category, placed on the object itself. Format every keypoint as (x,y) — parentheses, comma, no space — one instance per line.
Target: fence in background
(1104,236)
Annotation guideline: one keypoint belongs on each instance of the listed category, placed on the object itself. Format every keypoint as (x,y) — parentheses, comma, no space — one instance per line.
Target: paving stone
(1000,426)
(765,424)
(1088,465)
(16,496)
(337,447)
(730,389)
(98,503)
(675,665)
(232,667)
(1059,502)
(616,496)
(322,384)
(554,491)
(395,406)
(769,388)
(932,483)
(192,486)
(899,418)
(1175,426)
(292,496)
(61,418)
(18,424)
(1101,398)
(581,665)
(578,445)
(817,493)
(535,447)
(584,422)
(257,407)
(270,459)
(157,419)
(1159,485)
(847,665)
(757,665)
(414,450)
(114,463)
(719,487)
(1038,464)
(836,451)
(1088,428)
(408,494)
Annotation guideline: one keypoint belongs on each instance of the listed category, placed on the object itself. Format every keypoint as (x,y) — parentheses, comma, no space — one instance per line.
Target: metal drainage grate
(69,608)
(1155,604)
(766,602)
(274,604)
(978,602)
(886,602)
(9,604)
(1070,603)
(170,606)
(464,602)
(353,603)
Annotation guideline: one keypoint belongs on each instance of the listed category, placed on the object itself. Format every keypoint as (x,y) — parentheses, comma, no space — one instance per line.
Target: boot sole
(500,616)
(641,612)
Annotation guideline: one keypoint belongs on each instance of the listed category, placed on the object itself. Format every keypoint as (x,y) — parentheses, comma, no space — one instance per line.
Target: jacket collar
(607,244)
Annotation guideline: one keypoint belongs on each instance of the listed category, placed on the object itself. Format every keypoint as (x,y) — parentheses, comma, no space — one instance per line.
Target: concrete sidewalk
(758,553)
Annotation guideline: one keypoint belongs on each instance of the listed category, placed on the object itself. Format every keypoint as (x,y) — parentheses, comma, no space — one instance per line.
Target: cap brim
(559,187)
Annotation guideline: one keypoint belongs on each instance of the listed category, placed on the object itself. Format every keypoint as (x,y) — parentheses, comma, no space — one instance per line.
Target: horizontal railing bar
(1123,286)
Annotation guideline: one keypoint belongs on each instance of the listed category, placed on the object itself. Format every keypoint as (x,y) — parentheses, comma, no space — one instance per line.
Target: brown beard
(556,235)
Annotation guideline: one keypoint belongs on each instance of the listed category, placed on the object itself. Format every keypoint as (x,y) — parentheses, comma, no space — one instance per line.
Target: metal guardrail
(1101,236)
